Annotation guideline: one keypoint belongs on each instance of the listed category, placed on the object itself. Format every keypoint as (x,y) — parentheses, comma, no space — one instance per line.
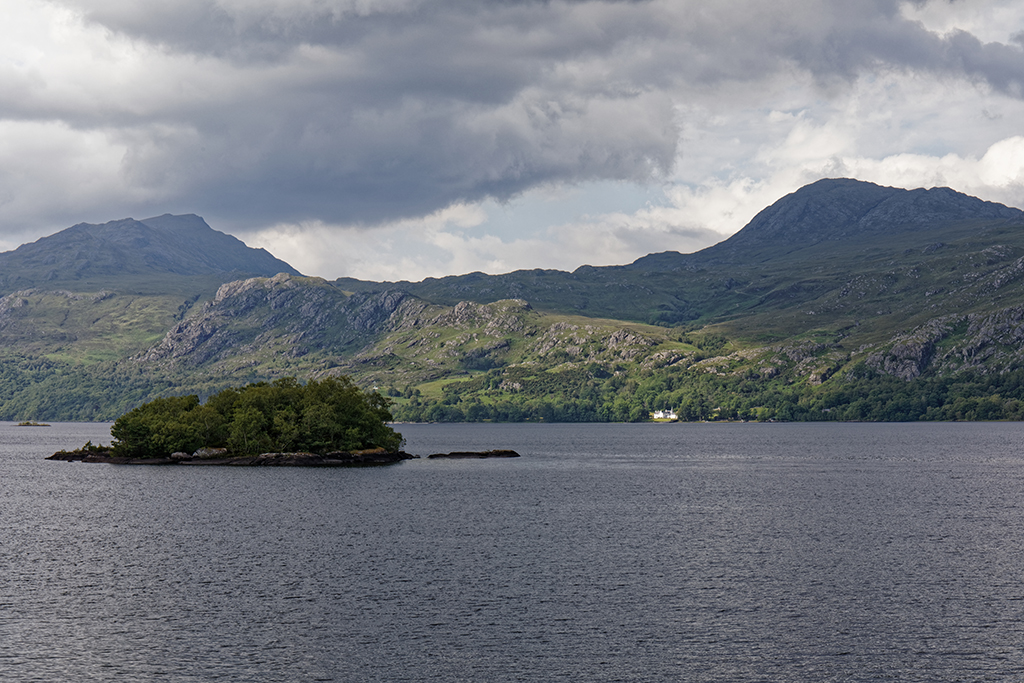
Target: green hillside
(844,300)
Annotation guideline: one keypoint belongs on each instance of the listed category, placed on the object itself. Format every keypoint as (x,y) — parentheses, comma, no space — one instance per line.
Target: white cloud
(450,242)
(998,175)
(409,249)
(48,169)
(992,21)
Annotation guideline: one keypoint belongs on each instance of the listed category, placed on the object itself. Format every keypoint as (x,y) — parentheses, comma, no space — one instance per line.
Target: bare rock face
(992,343)
(912,352)
(505,315)
(306,313)
(905,360)
(368,312)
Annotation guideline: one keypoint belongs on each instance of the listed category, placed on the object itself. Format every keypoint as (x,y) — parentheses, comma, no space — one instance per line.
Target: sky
(404,139)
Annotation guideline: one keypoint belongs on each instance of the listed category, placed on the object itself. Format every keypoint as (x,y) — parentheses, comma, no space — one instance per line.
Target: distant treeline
(35,388)
(860,394)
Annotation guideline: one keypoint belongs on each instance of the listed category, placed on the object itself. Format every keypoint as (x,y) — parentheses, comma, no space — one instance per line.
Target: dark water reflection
(607,552)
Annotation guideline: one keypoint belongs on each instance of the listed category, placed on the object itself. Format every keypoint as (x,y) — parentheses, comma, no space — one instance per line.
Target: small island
(324,423)
(31,423)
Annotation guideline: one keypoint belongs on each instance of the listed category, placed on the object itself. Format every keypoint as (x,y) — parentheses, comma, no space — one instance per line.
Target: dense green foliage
(858,395)
(35,387)
(322,416)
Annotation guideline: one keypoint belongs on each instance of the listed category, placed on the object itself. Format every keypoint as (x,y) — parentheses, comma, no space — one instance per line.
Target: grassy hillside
(844,300)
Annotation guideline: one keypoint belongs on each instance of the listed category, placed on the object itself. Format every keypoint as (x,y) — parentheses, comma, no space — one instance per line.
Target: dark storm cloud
(858,40)
(361,111)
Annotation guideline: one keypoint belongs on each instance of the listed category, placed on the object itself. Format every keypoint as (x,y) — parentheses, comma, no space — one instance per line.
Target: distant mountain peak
(843,208)
(838,210)
(159,246)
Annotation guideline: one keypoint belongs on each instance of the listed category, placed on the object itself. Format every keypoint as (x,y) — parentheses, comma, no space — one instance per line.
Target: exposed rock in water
(500,453)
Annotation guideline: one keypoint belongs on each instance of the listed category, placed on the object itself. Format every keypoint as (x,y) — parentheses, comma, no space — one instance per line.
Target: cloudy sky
(401,139)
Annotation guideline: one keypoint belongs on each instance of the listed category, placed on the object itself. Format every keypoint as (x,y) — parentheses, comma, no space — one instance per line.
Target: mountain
(837,213)
(148,255)
(95,293)
(817,240)
(843,300)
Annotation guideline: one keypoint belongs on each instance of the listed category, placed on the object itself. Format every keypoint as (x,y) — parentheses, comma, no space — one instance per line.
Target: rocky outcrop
(500,453)
(911,353)
(496,318)
(982,343)
(283,314)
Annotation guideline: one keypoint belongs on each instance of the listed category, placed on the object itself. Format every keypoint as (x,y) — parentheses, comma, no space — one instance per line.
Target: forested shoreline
(862,395)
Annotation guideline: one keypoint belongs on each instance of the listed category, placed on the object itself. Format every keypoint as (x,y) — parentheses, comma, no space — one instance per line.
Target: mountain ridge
(743,274)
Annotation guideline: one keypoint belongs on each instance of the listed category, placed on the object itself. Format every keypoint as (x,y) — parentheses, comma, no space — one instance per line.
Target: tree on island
(321,416)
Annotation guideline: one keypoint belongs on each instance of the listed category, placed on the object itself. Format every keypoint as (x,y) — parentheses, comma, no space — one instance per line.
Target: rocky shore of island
(221,456)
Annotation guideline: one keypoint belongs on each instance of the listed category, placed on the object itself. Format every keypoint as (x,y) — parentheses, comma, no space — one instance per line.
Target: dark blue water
(849,552)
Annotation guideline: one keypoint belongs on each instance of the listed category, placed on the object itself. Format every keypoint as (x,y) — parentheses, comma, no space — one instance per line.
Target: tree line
(858,395)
